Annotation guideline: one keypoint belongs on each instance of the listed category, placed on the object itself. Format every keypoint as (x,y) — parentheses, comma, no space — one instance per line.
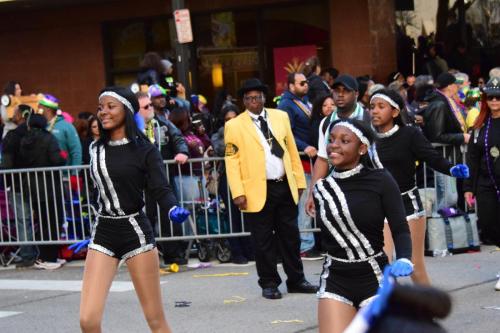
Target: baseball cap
(347,81)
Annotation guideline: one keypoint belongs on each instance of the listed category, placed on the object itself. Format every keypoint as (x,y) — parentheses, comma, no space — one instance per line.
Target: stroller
(209,222)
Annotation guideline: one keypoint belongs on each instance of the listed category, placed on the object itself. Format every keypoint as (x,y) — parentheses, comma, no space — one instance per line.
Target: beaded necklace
(489,162)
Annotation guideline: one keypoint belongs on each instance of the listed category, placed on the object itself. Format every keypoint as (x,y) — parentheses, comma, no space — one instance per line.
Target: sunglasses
(303,83)
(253,98)
(490,98)
(150,105)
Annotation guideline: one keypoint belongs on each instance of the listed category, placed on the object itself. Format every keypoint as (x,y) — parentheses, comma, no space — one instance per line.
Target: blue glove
(178,214)
(460,171)
(77,247)
(401,267)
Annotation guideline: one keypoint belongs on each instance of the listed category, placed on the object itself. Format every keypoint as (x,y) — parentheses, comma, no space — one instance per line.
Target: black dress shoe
(271,293)
(303,287)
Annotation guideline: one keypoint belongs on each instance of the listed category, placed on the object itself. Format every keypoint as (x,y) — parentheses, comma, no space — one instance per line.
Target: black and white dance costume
(122,171)
(398,150)
(483,159)
(351,207)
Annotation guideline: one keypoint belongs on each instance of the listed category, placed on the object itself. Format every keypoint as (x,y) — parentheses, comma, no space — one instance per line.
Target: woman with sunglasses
(398,148)
(483,159)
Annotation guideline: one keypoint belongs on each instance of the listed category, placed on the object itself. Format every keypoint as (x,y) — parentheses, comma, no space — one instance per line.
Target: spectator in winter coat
(39,149)
(17,194)
(65,133)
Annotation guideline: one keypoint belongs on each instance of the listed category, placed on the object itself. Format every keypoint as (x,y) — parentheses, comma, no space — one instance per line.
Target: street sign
(183,26)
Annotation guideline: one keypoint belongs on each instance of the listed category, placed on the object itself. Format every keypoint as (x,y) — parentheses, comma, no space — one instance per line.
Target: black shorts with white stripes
(352,283)
(122,237)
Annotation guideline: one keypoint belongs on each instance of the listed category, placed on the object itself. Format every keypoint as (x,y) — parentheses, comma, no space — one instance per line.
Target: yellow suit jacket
(245,158)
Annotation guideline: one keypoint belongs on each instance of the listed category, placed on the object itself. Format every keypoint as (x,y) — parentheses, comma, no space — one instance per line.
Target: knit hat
(49,101)
(124,96)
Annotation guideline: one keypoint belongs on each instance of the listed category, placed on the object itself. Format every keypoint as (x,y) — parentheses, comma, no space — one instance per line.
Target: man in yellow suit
(266,179)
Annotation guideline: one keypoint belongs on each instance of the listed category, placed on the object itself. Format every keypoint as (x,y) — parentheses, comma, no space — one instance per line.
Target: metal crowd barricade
(53,205)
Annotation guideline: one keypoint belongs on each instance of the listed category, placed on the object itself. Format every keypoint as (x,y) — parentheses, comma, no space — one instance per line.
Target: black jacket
(441,125)
(171,142)
(10,155)
(10,147)
(39,149)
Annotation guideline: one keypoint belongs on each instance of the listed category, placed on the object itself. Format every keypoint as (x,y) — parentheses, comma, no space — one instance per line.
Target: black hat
(347,81)
(492,88)
(444,80)
(252,84)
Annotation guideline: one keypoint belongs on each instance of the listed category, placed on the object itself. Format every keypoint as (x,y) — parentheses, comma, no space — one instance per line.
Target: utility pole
(182,54)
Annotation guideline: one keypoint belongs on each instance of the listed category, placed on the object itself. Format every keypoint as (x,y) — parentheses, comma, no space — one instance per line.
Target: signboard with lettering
(183,26)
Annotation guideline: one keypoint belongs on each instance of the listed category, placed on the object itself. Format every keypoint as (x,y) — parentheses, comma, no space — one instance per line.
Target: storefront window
(129,41)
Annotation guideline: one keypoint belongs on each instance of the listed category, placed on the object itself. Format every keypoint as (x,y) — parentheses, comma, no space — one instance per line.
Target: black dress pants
(276,224)
(488,211)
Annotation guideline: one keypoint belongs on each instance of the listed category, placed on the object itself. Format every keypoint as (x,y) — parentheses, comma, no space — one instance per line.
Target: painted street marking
(59,285)
(4,314)
(219,275)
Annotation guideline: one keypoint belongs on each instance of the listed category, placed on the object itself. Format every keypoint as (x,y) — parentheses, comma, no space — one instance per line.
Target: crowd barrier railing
(54,205)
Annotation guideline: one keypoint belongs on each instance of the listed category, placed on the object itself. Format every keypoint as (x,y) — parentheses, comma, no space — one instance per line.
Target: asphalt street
(226,298)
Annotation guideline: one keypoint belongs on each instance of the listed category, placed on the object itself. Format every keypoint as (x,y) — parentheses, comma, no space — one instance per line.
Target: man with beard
(294,101)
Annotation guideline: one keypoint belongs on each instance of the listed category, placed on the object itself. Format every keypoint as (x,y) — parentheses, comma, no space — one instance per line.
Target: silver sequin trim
(122,100)
(100,185)
(335,297)
(120,142)
(388,133)
(356,131)
(338,218)
(367,301)
(376,270)
(415,215)
(101,249)
(324,276)
(414,202)
(138,231)
(348,173)
(374,156)
(94,228)
(355,260)
(140,250)
(330,227)
(109,183)
(94,179)
(387,99)
(347,214)
(121,217)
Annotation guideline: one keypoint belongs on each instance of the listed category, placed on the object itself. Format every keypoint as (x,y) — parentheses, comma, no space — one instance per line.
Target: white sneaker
(61,261)
(39,264)
(497,286)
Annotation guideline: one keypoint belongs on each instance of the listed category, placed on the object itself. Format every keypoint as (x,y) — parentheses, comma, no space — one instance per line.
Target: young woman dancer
(123,165)
(482,157)
(351,205)
(397,149)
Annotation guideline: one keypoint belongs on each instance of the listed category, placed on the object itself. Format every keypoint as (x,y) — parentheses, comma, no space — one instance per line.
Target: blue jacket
(68,140)
(299,121)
